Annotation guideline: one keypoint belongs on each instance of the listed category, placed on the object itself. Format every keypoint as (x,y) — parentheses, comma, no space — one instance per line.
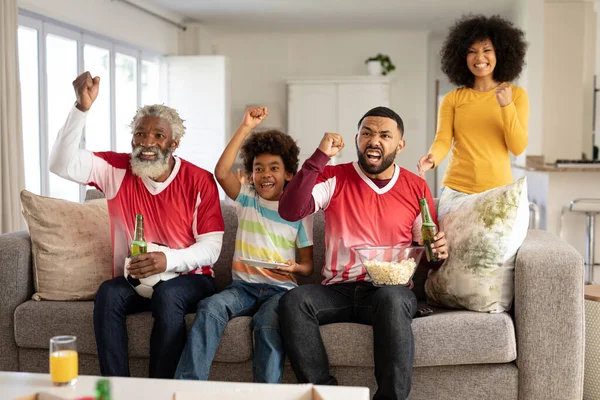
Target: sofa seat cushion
(444,338)
(36,322)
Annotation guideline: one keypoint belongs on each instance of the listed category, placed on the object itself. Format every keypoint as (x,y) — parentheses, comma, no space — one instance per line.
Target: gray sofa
(534,352)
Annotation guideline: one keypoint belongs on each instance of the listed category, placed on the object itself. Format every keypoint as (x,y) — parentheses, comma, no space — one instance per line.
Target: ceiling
(262,15)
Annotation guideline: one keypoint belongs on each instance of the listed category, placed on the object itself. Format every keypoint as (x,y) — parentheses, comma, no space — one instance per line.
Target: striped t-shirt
(263,235)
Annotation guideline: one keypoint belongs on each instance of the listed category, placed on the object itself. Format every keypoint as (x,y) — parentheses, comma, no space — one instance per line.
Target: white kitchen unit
(333,104)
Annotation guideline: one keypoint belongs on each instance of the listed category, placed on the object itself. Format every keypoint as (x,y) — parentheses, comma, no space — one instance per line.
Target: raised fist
(254,116)
(331,144)
(503,94)
(86,90)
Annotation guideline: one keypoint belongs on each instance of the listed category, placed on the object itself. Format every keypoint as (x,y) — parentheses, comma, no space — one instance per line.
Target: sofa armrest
(549,318)
(16,287)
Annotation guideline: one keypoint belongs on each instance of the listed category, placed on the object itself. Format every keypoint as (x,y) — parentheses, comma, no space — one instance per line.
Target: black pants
(388,309)
(170,302)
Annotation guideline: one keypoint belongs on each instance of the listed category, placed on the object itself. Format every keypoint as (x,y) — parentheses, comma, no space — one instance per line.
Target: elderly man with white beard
(180,205)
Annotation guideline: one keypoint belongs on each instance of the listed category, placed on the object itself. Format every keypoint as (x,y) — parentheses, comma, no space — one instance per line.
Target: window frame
(44,26)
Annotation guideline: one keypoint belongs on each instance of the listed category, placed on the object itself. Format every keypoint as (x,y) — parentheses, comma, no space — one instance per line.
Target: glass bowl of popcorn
(390,265)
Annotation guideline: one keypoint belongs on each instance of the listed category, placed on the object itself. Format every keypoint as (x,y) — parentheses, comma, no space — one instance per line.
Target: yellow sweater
(483,133)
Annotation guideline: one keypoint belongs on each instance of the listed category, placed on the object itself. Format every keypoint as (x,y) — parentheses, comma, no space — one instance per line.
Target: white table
(18,384)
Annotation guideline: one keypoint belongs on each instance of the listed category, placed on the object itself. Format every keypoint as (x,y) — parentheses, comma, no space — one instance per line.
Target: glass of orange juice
(64,362)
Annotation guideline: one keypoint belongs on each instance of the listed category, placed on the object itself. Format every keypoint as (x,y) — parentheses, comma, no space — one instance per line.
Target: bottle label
(138,248)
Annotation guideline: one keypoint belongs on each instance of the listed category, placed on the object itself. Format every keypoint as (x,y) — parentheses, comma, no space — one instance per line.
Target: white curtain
(12,180)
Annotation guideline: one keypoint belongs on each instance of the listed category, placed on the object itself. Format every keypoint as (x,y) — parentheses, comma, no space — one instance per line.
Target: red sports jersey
(176,212)
(358,213)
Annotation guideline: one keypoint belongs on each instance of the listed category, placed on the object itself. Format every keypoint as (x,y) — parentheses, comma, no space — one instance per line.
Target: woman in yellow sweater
(486,116)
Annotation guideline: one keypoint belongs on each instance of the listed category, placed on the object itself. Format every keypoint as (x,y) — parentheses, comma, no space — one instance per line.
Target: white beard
(146,168)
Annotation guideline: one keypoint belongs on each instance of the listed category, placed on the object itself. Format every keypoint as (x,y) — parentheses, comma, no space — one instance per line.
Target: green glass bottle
(102,389)
(428,230)
(138,246)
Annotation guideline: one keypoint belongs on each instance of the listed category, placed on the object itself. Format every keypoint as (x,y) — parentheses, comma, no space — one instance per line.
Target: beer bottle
(428,230)
(102,389)
(138,246)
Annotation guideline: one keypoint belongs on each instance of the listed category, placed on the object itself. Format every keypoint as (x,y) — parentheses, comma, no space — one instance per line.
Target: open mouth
(147,155)
(481,66)
(373,156)
(267,185)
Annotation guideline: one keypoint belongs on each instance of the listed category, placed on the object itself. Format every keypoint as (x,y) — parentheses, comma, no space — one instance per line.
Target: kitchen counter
(553,168)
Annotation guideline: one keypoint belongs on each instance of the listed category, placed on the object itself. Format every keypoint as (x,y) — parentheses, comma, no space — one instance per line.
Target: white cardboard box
(16,385)
(279,392)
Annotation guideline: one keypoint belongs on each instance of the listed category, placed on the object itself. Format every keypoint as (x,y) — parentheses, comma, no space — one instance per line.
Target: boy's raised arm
(226,178)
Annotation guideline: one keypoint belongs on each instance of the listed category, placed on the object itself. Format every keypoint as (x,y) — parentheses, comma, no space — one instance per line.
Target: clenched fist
(86,90)
(254,116)
(331,144)
(503,94)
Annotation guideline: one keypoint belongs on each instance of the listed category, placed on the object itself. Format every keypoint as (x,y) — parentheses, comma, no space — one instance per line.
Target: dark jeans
(170,302)
(388,309)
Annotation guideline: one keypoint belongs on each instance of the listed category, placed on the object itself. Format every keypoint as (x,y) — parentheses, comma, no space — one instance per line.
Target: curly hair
(508,41)
(167,113)
(271,142)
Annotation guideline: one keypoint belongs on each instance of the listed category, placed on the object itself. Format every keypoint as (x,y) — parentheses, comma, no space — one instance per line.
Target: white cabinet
(198,88)
(316,106)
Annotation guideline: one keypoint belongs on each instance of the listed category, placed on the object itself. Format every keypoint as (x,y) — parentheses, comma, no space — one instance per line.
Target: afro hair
(508,41)
(271,142)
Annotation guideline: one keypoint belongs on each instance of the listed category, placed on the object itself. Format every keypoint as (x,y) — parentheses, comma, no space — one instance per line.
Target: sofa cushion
(70,244)
(444,338)
(484,232)
(37,322)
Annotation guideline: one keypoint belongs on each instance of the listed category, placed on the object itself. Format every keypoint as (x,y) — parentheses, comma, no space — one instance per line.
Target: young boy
(271,160)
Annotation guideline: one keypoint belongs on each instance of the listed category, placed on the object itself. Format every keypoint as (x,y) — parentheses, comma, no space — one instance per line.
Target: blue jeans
(388,309)
(170,302)
(238,299)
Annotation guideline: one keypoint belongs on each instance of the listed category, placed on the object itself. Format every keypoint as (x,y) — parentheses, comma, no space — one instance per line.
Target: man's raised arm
(67,160)
(297,200)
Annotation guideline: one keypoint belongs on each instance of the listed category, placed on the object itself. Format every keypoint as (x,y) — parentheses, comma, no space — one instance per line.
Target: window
(30,107)
(61,67)
(97,60)
(150,82)
(126,90)
(51,56)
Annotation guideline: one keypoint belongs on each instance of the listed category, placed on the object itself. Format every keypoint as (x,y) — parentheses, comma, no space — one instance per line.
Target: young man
(271,159)
(181,210)
(371,202)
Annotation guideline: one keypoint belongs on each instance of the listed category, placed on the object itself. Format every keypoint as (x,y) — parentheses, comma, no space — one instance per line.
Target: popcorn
(390,273)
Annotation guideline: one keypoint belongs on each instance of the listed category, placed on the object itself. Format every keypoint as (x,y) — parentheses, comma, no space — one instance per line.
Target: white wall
(261,63)
(529,16)
(434,66)
(569,68)
(114,19)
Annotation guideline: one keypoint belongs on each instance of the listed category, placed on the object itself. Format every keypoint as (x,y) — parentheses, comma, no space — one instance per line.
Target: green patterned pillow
(484,232)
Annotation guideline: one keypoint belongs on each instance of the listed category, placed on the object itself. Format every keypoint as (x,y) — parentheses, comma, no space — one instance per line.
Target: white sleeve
(205,251)
(67,160)
(323,192)
(417,235)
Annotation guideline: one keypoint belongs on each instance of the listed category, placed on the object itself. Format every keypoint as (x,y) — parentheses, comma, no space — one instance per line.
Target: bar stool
(591,208)
(534,215)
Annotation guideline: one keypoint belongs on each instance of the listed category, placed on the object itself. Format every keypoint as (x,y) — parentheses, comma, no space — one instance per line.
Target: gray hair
(167,113)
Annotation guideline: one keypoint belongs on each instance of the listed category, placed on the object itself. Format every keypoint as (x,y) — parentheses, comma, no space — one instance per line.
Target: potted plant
(380,64)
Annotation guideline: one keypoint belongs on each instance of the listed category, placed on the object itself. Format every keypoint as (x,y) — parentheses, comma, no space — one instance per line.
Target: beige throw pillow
(71,246)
